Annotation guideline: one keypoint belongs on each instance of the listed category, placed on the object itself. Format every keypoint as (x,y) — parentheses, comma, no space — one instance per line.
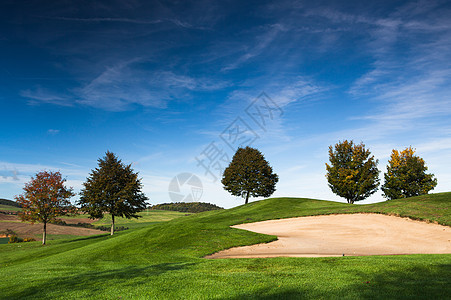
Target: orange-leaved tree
(406,176)
(44,199)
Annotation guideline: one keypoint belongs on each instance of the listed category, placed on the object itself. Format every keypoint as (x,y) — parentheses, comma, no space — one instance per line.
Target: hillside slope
(165,260)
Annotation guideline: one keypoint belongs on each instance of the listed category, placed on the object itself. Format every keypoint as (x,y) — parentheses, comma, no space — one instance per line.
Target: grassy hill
(9,205)
(164,260)
(147,218)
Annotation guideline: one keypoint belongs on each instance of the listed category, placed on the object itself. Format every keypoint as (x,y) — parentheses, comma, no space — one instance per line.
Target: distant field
(147,218)
(9,207)
(165,260)
(25,229)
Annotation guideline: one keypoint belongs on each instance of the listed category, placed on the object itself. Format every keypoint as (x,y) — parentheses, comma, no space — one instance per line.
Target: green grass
(164,260)
(9,207)
(146,218)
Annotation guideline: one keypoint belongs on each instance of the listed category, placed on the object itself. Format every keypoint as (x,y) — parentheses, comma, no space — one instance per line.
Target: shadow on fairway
(414,283)
(94,281)
(89,237)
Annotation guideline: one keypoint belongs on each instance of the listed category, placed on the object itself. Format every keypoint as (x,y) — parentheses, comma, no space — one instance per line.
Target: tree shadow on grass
(93,281)
(412,283)
(90,237)
(416,282)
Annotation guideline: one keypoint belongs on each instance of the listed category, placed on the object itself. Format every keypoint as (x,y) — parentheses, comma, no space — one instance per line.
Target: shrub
(29,240)
(192,207)
(15,239)
(8,232)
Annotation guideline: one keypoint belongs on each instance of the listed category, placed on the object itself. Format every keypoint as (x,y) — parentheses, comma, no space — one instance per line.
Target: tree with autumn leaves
(406,176)
(352,172)
(45,198)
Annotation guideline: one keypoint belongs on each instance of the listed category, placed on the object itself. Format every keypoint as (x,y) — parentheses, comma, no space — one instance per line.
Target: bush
(8,232)
(15,239)
(108,228)
(192,207)
(87,225)
(29,240)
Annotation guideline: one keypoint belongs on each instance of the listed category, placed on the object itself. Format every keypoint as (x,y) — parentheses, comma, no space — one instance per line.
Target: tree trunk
(247,197)
(112,224)
(44,233)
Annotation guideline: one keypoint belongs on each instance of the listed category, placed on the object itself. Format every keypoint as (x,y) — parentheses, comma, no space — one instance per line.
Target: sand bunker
(351,235)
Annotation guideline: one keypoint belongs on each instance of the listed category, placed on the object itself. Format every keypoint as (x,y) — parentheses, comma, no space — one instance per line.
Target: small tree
(249,174)
(352,173)
(112,188)
(406,176)
(44,199)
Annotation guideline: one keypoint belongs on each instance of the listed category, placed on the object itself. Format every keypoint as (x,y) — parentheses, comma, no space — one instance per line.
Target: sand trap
(351,235)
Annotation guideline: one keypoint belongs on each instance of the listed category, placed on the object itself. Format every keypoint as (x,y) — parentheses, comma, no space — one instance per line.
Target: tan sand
(351,235)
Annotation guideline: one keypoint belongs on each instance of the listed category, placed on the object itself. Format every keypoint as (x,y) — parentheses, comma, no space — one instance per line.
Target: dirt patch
(28,230)
(4,217)
(349,235)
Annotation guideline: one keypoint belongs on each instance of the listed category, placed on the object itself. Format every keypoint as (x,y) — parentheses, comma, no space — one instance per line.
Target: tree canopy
(249,174)
(113,187)
(44,199)
(352,173)
(406,176)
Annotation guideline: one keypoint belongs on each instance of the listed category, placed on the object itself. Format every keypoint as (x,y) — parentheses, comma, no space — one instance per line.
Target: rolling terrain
(165,260)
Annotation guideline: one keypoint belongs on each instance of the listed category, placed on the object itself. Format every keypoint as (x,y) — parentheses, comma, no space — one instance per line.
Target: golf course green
(165,260)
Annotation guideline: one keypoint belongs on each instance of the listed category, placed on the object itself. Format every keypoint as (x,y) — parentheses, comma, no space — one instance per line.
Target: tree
(114,188)
(44,199)
(352,173)
(406,176)
(249,174)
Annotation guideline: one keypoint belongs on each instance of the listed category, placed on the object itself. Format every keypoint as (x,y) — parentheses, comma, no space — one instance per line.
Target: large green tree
(406,176)
(249,174)
(45,198)
(352,172)
(113,187)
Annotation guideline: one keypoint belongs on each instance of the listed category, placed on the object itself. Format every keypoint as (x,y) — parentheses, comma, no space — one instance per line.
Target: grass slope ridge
(165,260)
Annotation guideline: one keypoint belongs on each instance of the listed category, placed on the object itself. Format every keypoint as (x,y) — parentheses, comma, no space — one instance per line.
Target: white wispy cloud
(53,131)
(123,85)
(109,19)
(42,95)
(174,21)
(261,42)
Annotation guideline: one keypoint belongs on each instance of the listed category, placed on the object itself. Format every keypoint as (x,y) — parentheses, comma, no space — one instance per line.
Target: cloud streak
(124,85)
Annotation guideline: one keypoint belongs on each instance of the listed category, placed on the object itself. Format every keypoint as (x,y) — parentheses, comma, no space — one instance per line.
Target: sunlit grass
(164,260)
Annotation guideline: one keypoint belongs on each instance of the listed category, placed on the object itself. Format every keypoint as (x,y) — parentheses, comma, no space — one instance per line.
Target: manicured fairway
(147,217)
(164,261)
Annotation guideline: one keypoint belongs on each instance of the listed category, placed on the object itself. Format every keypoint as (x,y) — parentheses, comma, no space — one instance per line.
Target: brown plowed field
(28,230)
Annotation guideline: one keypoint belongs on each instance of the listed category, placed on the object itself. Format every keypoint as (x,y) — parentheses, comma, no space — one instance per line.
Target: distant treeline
(192,207)
(9,202)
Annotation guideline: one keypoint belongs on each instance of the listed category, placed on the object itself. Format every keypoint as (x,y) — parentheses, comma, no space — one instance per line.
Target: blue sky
(166,84)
